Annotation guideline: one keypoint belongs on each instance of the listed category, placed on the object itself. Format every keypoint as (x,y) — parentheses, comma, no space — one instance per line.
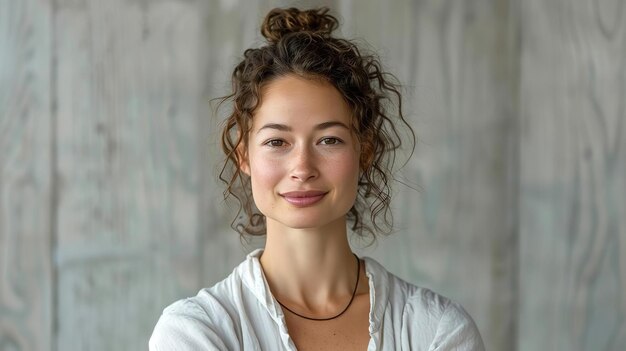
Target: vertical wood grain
(130,90)
(573,175)
(25,175)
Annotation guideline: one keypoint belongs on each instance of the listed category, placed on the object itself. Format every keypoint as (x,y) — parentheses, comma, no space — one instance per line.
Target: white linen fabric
(240,313)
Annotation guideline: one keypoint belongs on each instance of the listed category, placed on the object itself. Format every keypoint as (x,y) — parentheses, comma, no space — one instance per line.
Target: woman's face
(302,157)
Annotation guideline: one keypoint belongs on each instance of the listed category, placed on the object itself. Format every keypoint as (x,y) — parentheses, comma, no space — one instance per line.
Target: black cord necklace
(358,272)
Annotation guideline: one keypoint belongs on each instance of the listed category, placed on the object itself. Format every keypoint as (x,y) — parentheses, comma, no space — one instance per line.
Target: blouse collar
(251,274)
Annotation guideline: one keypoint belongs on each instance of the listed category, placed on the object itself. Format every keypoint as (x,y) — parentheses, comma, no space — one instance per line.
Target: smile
(303,198)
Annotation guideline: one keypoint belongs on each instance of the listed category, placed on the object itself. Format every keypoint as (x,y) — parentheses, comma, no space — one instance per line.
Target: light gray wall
(514,203)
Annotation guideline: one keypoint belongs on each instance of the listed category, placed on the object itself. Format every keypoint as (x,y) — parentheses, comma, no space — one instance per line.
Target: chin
(310,222)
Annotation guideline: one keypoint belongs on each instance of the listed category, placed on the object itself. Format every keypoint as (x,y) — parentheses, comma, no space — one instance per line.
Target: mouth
(303,198)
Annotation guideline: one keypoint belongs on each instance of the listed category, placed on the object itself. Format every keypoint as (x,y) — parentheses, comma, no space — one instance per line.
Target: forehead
(300,101)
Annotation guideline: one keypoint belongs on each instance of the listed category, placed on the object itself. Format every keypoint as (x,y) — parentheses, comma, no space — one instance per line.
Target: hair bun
(280,22)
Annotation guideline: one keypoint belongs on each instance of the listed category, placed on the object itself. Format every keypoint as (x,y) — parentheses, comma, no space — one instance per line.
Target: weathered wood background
(110,208)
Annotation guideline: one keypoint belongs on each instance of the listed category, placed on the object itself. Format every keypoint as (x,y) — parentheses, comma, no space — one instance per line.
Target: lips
(303,198)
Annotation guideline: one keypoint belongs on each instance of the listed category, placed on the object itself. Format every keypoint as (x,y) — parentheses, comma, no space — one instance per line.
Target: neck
(309,267)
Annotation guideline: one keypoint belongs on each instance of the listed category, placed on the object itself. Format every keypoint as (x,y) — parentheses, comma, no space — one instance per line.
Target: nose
(304,166)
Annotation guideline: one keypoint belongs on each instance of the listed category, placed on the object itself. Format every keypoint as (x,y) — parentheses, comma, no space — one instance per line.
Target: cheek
(346,169)
(264,173)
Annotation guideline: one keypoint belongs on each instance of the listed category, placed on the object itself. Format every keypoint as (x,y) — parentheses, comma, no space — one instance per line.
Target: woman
(309,146)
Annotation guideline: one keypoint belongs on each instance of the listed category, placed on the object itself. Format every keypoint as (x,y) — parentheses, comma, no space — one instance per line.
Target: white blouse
(240,313)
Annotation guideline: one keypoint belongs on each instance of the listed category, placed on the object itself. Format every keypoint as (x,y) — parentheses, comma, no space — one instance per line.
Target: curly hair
(300,43)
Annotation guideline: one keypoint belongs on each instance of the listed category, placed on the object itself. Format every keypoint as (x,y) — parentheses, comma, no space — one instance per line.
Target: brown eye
(330,141)
(275,143)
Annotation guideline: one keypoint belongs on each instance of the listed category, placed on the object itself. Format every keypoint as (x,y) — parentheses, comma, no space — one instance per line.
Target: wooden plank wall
(110,208)
(573,175)
(26,163)
(129,85)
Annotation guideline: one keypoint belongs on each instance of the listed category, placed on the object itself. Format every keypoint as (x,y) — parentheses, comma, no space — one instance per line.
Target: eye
(330,141)
(275,143)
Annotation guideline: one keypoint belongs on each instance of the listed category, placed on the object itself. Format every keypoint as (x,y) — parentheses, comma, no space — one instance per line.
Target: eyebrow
(286,128)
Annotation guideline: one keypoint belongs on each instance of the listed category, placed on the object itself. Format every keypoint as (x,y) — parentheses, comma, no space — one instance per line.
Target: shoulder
(447,322)
(428,318)
(205,321)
